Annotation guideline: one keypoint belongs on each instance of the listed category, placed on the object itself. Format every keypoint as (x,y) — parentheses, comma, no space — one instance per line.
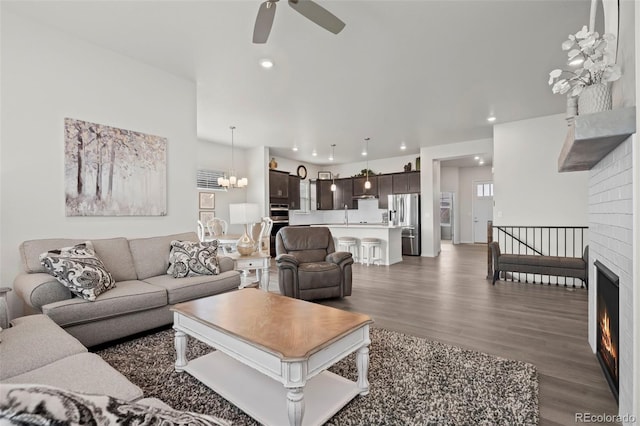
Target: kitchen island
(390,237)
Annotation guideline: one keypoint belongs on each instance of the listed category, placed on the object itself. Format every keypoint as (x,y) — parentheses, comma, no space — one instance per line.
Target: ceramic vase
(245,245)
(594,98)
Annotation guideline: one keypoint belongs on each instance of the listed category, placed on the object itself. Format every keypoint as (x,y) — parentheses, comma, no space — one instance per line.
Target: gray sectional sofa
(48,377)
(142,296)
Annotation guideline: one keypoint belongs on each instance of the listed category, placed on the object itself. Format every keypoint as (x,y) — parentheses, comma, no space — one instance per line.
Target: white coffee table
(273,353)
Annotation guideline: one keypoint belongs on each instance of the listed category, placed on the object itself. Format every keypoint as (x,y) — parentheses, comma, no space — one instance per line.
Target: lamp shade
(243,213)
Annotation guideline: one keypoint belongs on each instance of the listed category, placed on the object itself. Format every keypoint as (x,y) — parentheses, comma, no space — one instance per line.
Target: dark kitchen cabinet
(414,182)
(385,188)
(343,195)
(294,192)
(406,183)
(278,184)
(324,196)
(358,186)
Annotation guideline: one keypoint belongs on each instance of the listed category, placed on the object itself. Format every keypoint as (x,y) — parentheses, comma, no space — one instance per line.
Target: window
(484,190)
(208,179)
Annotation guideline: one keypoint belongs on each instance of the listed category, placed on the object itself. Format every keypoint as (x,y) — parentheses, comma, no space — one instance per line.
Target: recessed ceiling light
(295,148)
(364,153)
(266,63)
(314,153)
(481,162)
(491,119)
(476,158)
(403,146)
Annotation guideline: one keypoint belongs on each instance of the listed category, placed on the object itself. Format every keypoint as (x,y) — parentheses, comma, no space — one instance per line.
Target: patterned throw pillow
(189,259)
(46,405)
(79,269)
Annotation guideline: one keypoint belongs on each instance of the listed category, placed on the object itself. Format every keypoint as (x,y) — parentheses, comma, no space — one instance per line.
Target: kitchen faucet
(346,215)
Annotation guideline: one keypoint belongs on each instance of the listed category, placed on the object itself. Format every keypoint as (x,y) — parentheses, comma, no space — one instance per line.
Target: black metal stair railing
(563,241)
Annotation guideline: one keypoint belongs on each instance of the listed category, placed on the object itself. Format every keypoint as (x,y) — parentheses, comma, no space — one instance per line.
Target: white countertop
(358,225)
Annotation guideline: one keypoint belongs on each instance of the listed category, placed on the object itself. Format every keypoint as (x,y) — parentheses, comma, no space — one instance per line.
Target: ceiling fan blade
(318,14)
(264,21)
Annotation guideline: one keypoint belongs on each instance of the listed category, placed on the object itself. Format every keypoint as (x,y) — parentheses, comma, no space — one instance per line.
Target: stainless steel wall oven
(279,213)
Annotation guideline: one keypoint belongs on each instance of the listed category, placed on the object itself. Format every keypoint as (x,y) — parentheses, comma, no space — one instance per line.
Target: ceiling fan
(307,8)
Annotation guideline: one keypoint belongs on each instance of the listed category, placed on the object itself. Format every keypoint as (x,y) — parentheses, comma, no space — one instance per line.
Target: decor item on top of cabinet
(365,172)
(407,167)
(273,164)
(417,163)
(113,172)
(594,68)
(302,172)
(324,175)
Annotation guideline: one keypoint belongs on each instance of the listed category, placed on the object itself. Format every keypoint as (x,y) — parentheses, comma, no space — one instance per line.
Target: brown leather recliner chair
(309,266)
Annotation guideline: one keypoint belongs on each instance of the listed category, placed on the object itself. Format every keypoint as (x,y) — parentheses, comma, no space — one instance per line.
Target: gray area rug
(413,381)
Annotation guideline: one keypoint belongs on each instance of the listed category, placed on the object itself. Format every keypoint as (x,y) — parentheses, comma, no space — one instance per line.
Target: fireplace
(607,325)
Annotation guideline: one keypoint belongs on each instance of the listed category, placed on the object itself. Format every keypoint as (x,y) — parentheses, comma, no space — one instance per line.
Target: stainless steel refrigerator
(404,211)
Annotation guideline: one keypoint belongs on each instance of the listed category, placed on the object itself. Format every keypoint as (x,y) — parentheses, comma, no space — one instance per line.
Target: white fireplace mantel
(593,136)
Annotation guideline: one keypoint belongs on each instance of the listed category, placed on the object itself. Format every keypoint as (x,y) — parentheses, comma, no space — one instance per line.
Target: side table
(259,262)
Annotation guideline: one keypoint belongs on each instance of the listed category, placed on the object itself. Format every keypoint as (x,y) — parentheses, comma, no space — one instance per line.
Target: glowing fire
(607,344)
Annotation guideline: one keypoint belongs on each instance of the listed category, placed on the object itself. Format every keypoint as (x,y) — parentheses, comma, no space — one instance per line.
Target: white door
(482,209)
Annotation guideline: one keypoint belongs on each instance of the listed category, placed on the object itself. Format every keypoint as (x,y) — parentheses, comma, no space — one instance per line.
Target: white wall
(47,76)
(528,190)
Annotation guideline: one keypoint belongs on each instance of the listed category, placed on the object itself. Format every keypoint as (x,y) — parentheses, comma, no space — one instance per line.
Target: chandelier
(230,180)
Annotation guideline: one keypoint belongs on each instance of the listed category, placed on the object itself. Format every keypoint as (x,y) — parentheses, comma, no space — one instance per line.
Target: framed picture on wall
(324,175)
(207,216)
(207,201)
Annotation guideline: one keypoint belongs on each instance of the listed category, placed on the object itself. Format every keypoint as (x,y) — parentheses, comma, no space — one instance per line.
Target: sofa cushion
(127,297)
(51,405)
(190,259)
(85,372)
(183,289)
(549,261)
(78,269)
(32,342)
(318,275)
(114,252)
(151,255)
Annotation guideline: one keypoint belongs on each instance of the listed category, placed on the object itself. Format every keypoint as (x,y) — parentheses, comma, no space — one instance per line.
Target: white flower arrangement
(588,50)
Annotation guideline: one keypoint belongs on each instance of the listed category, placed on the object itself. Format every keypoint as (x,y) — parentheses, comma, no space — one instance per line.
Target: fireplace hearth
(607,325)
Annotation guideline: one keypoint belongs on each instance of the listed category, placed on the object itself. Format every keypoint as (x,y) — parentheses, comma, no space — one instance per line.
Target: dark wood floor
(448,299)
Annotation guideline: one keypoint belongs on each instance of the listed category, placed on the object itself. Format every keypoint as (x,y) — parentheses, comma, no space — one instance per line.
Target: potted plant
(594,69)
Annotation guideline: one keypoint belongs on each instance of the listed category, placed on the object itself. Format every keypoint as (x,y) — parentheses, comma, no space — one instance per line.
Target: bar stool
(349,244)
(369,246)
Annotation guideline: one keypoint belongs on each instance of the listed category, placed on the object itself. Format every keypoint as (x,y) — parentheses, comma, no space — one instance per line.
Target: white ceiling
(422,72)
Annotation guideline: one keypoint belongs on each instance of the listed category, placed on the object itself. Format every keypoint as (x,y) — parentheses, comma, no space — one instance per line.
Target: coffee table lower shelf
(265,399)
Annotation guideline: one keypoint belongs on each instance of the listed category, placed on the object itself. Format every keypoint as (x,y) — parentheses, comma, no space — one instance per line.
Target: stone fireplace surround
(611,236)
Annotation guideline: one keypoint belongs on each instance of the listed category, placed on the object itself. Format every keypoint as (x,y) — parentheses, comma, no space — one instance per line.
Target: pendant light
(333,180)
(230,180)
(367,184)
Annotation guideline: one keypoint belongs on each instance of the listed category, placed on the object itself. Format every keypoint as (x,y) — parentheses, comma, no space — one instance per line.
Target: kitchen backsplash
(367,211)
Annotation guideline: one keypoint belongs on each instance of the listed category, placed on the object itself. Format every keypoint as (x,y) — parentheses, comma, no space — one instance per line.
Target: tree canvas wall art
(113,172)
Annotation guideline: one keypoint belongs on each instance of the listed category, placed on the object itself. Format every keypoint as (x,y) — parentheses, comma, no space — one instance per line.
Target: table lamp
(244,213)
